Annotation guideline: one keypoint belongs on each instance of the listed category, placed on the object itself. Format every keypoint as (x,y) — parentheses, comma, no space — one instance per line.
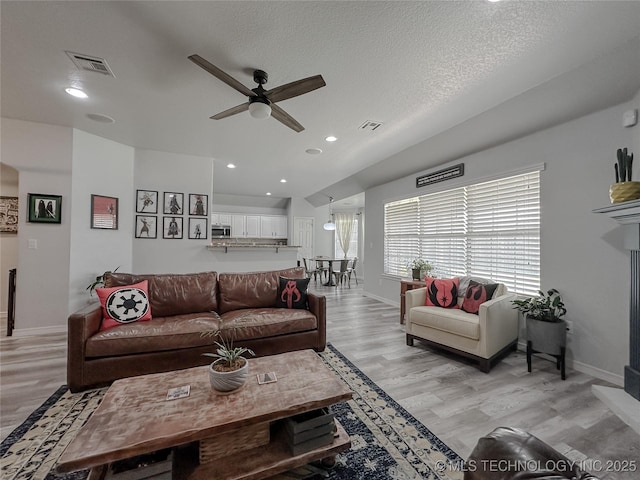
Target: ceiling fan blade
(284,118)
(293,89)
(220,75)
(232,111)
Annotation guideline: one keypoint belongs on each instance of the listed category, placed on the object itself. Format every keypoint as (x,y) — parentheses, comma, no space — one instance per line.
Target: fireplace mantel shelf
(625,212)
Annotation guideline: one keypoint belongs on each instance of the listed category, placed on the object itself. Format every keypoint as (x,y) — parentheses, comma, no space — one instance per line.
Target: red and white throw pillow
(442,292)
(477,294)
(125,304)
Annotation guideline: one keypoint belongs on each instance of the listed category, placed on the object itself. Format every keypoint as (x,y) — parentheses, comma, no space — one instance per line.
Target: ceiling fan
(262,103)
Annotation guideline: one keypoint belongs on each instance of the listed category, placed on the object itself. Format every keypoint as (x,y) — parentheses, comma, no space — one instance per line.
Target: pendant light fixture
(330,225)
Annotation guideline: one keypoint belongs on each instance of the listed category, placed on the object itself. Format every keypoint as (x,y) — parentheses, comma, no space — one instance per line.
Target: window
(353,244)
(491,229)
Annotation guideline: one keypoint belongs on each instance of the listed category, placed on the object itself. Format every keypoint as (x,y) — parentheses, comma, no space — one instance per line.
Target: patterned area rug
(387,441)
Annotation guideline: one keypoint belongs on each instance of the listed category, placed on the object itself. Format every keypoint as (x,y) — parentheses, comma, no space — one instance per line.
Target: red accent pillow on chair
(442,292)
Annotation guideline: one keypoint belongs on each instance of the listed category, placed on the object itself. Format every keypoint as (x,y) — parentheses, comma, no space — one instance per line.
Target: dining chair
(352,269)
(322,266)
(309,269)
(343,273)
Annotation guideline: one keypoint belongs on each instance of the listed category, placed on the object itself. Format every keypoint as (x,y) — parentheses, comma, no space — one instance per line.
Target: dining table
(330,261)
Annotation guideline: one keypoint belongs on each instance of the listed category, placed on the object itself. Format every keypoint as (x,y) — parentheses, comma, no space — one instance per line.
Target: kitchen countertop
(245,246)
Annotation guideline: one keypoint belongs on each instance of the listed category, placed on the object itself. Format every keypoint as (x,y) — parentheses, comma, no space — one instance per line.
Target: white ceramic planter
(228,381)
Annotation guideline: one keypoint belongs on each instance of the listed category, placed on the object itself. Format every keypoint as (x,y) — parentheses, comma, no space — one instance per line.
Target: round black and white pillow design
(127,305)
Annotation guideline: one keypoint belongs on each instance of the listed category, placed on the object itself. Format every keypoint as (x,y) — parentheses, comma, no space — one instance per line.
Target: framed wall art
(198,228)
(44,208)
(104,212)
(146,226)
(173,203)
(8,214)
(146,201)
(198,204)
(172,227)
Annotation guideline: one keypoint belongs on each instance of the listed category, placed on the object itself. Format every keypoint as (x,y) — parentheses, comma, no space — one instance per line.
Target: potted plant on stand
(420,268)
(230,369)
(546,331)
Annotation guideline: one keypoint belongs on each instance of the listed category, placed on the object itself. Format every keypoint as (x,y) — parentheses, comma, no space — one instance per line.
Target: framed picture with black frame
(104,212)
(198,204)
(172,227)
(44,208)
(146,201)
(198,228)
(173,203)
(146,226)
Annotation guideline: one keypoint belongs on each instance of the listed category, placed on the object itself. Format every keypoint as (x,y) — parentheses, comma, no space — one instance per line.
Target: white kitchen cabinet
(252,225)
(243,226)
(273,226)
(218,218)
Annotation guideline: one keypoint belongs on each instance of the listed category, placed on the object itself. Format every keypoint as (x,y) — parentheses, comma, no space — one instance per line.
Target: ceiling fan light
(259,110)
(329,225)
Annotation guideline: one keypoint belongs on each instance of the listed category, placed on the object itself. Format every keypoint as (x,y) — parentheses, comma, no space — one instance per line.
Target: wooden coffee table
(135,418)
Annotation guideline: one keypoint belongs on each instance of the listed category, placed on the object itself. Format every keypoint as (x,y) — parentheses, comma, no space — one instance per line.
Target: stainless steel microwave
(220,231)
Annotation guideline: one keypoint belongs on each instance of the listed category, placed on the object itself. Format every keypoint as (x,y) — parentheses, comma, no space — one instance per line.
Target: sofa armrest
(318,306)
(415,298)
(498,324)
(81,325)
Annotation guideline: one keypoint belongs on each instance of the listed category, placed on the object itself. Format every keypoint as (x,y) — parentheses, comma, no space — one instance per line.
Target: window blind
(490,229)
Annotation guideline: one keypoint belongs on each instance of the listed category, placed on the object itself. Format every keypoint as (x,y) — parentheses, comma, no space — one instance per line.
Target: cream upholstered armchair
(485,337)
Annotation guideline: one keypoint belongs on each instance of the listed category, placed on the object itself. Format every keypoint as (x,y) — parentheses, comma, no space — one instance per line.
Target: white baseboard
(4,315)
(381,299)
(584,368)
(30,332)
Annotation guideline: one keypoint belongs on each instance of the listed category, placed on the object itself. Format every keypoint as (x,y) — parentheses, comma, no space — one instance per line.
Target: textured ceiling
(437,71)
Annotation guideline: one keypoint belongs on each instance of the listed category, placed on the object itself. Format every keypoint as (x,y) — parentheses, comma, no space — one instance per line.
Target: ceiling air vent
(370,126)
(90,64)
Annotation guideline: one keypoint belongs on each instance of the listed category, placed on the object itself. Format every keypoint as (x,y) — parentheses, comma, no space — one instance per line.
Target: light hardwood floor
(451,397)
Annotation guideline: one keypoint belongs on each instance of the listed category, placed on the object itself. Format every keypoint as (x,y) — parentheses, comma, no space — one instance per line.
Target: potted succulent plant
(546,331)
(230,369)
(420,268)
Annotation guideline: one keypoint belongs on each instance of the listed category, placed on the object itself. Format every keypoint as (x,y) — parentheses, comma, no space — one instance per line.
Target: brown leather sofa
(181,307)
(512,453)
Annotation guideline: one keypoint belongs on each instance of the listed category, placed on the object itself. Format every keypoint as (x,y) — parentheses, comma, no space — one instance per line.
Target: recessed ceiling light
(230,165)
(98,117)
(313,151)
(331,138)
(283,180)
(268,193)
(494,1)
(74,92)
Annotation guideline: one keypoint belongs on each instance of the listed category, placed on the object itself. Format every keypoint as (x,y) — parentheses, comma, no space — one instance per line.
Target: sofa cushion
(252,289)
(163,333)
(292,293)
(477,294)
(442,292)
(449,320)
(173,294)
(257,323)
(123,305)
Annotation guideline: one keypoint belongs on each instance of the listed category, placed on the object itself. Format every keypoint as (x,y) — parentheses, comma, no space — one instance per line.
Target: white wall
(168,172)
(581,253)
(100,167)
(42,155)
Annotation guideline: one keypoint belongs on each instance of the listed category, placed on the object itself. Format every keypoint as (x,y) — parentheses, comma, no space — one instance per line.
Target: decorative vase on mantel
(624,192)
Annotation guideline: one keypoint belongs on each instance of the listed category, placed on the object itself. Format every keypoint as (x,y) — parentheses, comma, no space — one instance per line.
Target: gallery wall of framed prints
(173,207)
